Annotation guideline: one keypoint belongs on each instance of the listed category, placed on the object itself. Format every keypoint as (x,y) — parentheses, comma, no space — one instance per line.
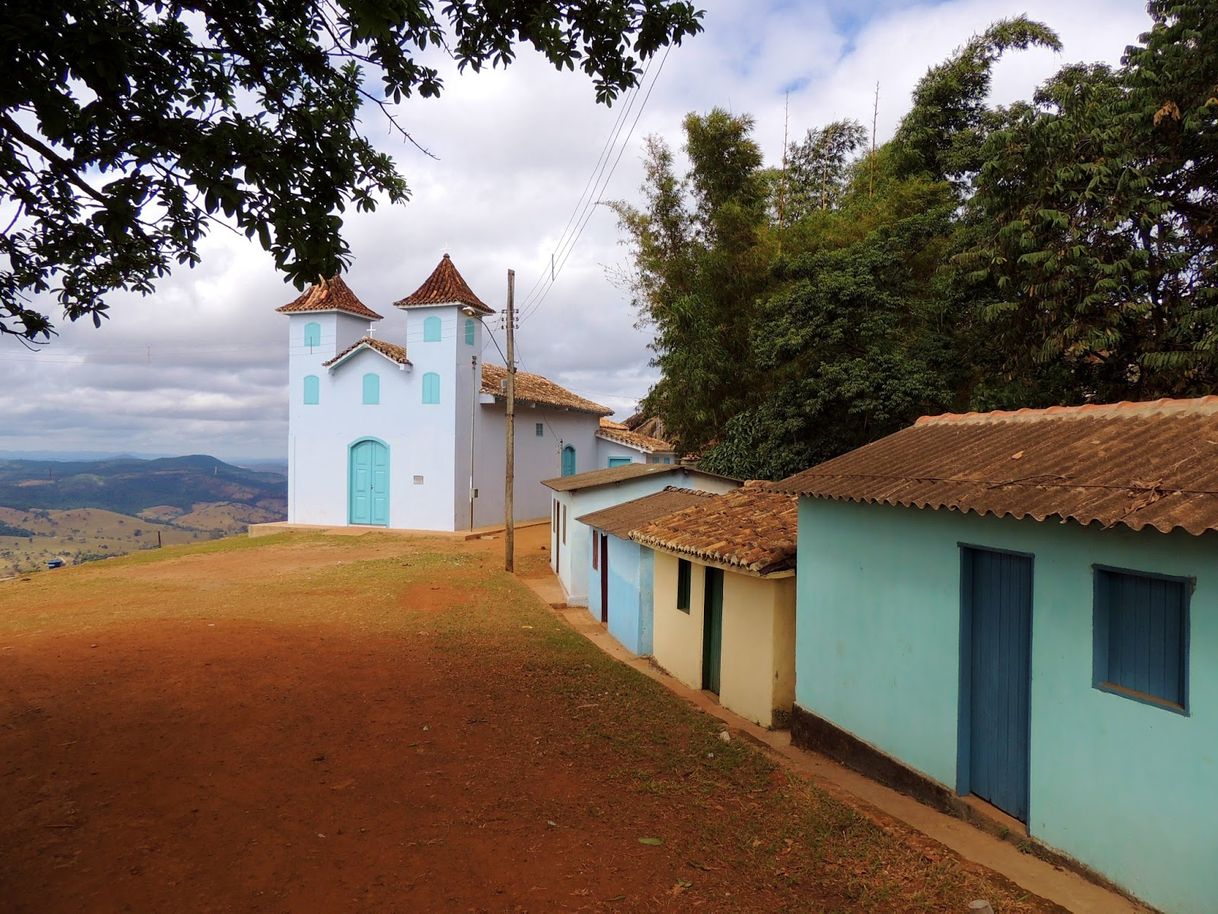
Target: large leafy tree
(941,135)
(702,255)
(1099,203)
(127,126)
(817,170)
(855,342)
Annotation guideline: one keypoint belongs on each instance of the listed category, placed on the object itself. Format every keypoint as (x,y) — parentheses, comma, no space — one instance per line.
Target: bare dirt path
(369,724)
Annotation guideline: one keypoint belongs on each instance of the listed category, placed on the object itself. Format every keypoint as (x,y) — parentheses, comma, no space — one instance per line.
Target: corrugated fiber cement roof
(1152,464)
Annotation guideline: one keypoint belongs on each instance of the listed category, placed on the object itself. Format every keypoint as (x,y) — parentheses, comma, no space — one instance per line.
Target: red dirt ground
(335,726)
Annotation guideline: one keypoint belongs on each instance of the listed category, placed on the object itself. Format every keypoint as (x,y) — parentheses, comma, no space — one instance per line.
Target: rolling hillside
(130,485)
(87,509)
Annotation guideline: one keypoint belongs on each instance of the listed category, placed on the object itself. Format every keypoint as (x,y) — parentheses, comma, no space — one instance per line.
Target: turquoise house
(621,572)
(1018,612)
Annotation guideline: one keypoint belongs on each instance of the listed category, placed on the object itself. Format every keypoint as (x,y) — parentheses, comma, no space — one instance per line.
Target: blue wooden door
(997,592)
(368,484)
(568,461)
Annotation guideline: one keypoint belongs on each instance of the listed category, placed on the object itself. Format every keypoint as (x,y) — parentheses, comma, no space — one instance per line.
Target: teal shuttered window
(619,461)
(1141,636)
(431,329)
(431,388)
(312,334)
(372,389)
(469,331)
(684,574)
(312,390)
(541,430)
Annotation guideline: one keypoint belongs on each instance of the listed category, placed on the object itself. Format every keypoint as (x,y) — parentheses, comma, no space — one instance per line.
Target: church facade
(409,432)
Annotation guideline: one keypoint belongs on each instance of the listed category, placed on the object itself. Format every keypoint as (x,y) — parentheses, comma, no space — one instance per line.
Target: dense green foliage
(1060,250)
(128,126)
(10,530)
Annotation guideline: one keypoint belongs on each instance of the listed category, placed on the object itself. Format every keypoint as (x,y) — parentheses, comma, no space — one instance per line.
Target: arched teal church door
(368,483)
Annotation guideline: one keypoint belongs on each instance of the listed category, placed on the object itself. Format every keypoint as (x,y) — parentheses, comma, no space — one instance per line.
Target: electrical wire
(529,309)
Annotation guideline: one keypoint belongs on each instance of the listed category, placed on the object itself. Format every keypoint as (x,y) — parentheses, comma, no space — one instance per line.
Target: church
(406,429)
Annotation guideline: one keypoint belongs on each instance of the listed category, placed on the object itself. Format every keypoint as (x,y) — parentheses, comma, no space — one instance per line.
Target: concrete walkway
(1060,886)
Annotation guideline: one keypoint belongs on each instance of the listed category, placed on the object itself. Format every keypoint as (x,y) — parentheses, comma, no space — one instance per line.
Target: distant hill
(129,485)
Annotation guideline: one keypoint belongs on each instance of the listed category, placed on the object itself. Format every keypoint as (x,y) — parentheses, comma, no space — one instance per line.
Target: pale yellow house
(724,600)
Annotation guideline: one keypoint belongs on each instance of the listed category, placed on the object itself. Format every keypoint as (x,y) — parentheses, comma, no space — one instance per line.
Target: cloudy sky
(201,366)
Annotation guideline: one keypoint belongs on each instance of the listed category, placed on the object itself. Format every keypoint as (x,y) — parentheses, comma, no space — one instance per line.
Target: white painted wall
(428,441)
(606,449)
(467,371)
(421,437)
(338,331)
(538,457)
(574,556)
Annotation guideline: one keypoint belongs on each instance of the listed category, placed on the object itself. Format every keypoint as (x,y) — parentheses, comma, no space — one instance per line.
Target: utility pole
(509,538)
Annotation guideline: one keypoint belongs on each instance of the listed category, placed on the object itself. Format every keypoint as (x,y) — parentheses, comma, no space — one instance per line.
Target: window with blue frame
(469,331)
(312,334)
(541,429)
(431,388)
(372,389)
(619,461)
(1141,636)
(431,329)
(312,390)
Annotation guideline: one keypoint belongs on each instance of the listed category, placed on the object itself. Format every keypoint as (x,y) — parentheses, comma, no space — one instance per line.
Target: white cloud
(201,365)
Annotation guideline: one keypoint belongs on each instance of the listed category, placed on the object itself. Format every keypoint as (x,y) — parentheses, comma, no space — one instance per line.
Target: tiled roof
(644,443)
(609,423)
(621,519)
(1138,464)
(750,529)
(329,295)
(391,351)
(653,426)
(445,286)
(593,478)
(533,388)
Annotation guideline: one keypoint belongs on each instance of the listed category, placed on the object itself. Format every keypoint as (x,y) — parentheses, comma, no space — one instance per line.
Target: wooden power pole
(509,538)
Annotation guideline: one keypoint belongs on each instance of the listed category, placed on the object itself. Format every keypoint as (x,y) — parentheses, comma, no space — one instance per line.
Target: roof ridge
(390,350)
(1204,404)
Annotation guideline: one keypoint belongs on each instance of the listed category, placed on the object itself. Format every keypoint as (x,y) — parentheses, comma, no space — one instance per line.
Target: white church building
(403,426)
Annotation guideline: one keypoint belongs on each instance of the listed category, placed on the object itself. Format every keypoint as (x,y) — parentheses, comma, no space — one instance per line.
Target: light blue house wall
(1127,788)
(631,574)
(574,562)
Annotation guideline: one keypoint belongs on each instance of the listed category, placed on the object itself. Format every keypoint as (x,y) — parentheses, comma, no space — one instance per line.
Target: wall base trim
(812,732)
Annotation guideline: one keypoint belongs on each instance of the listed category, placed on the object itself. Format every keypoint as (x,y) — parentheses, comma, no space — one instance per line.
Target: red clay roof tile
(750,529)
(533,388)
(445,286)
(329,295)
(391,351)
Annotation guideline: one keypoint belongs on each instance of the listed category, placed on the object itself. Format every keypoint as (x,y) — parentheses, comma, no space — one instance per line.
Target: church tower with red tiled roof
(404,427)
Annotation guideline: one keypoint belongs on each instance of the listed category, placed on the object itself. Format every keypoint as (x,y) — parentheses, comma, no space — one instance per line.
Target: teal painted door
(568,461)
(368,484)
(712,630)
(997,591)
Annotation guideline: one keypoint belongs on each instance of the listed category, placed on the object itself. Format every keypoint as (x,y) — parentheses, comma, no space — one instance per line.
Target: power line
(531,306)
(598,168)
